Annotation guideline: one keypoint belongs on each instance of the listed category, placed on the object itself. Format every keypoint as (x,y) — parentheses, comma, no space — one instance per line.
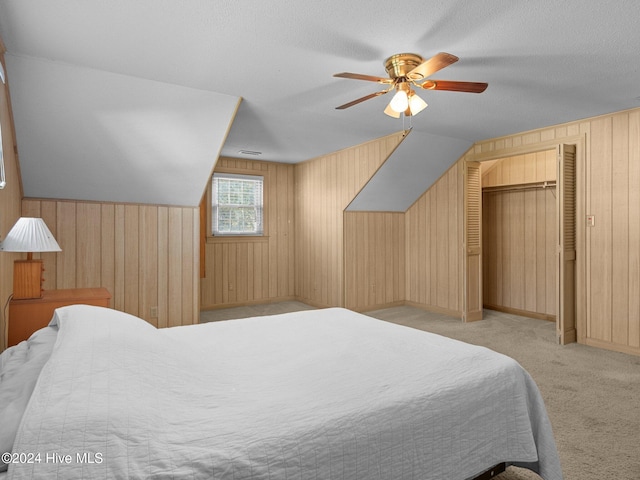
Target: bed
(322,394)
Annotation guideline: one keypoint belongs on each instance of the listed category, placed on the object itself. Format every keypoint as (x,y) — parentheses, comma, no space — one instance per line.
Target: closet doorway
(529,236)
(519,230)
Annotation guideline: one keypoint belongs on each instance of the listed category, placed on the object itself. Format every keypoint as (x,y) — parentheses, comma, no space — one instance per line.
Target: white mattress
(323,394)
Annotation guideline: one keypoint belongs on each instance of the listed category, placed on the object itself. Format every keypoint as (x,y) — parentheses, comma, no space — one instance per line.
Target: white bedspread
(323,394)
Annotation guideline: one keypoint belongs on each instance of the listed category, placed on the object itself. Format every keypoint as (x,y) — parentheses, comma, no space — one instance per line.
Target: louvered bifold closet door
(473,242)
(566,278)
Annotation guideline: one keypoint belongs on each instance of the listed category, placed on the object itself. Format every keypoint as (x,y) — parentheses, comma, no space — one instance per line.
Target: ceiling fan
(406,70)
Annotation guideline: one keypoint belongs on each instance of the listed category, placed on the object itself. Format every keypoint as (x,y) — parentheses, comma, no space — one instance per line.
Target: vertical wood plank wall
(434,236)
(519,236)
(613,244)
(608,187)
(374,260)
(145,255)
(324,187)
(241,270)
(10,198)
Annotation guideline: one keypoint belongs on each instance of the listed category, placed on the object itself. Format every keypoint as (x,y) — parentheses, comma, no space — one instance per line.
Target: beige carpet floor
(592,395)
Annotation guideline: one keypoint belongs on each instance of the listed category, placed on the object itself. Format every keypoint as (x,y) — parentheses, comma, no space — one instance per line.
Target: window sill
(238,239)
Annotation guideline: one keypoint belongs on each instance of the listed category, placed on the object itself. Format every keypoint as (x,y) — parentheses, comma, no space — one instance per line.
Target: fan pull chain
(410,122)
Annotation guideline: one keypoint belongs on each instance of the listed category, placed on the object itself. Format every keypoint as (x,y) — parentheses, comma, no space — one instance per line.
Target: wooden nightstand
(27,316)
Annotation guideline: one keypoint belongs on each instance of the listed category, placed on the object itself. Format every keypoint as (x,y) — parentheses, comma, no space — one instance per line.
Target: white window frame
(252,181)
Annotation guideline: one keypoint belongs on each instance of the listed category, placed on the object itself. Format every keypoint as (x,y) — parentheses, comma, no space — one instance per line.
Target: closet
(519,223)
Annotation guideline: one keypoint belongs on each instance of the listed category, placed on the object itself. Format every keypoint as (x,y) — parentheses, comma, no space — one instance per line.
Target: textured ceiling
(172,72)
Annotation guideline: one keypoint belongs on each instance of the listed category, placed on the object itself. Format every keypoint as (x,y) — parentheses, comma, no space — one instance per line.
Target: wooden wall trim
(523,313)
(521,149)
(251,302)
(104,202)
(435,309)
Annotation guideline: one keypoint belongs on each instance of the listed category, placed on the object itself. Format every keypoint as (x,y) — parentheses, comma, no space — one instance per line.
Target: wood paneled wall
(241,270)
(10,198)
(434,239)
(324,187)
(519,235)
(145,255)
(374,259)
(612,246)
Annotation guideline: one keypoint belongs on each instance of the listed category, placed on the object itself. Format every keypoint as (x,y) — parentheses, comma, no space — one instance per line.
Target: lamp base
(27,279)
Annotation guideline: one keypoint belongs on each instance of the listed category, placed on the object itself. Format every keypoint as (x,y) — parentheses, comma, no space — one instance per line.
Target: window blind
(237,204)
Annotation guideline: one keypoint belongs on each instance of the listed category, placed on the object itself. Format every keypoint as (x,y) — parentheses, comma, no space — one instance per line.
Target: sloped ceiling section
(398,183)
(86,134)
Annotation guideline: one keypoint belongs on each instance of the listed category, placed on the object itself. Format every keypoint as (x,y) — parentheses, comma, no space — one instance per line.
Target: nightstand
(27,316)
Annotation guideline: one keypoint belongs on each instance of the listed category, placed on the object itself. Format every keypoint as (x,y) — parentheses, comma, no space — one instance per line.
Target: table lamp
(29,235)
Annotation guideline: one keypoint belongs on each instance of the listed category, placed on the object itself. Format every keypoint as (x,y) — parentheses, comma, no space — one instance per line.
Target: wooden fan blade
(359,76)
(454,86)
(431,66)
(360,100)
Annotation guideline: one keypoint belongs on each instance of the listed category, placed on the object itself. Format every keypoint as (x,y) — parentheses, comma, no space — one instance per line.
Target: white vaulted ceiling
(92,135)
(131,100)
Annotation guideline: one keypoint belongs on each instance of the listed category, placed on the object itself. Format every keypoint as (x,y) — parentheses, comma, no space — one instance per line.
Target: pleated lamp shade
(30,235)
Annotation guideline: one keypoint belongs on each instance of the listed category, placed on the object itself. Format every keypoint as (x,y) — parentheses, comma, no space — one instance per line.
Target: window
(236,202)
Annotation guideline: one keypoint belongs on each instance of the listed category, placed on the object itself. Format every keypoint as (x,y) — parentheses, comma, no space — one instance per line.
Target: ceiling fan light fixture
(405,101)
(416,104)
(391,112)
(400,101)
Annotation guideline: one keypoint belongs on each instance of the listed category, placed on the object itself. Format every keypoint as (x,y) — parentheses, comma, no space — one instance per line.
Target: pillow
(20,368)
(90,313)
